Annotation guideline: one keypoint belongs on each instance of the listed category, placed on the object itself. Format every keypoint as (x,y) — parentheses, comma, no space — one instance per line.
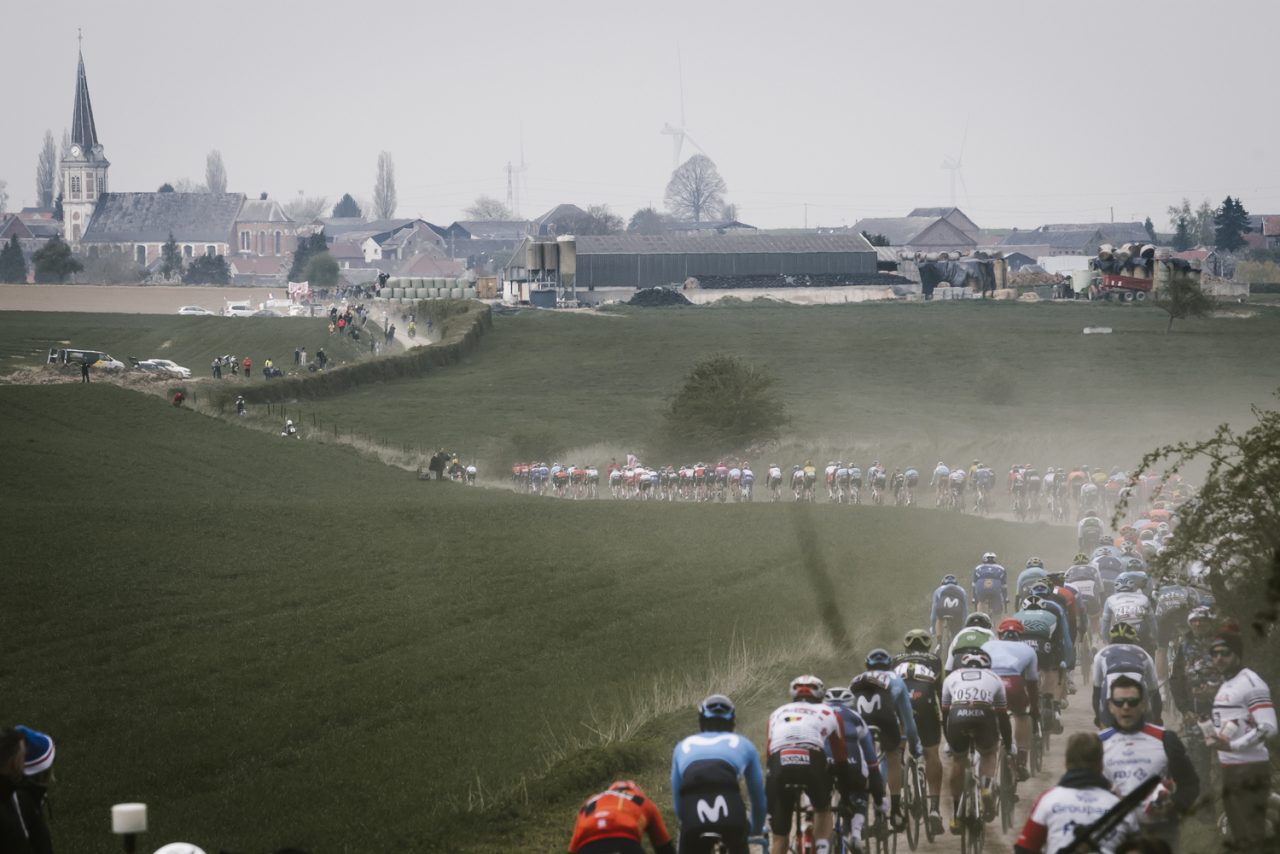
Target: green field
(278,642)
(907,383)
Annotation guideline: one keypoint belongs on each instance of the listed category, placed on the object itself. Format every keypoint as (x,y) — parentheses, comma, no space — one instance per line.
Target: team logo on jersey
(793,757)
(868,705)
(713,812)
(950,602)
(708,741)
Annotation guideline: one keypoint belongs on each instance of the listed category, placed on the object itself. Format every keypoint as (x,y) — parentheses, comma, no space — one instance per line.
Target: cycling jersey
(1132,608)
(1041,633)
(883,700)
(1088,586)
(704,783)
(1028,578)
(620,815)
(940,475)
(1080,798)
(1173,603)
(862,753)
(990,584)
(1015,663)
(1245,700)
(921,672)
(805,726)
(949,600)
(974,705)
(971,637)
(1193,679)
(912,476)
(1123,659)
(797,736)
(855,475)
(1130,757)
(775,475)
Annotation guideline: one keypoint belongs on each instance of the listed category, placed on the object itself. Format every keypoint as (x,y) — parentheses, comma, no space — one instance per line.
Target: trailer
(1124,288)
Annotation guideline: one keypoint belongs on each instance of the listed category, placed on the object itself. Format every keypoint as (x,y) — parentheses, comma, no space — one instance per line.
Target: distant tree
(1151,229)
(1230,225)
(262,197)
(208,270)
(384,188)
(13,266)
(596,219)
(647,221)
(728,212)
(1199,221)
(308,247)
(1258,272)
(166,187)
(488,209)
(1181,298)
(54,262)
(46,171)
(876,239)
(57,208)
(347,208)
(322,270)
(1182,235)
(696,190)
(1204,223)
(186,185)
(112,268)
(64,151)
(725,404)
(170,259)
(306,208)
(215,173)
(4,194)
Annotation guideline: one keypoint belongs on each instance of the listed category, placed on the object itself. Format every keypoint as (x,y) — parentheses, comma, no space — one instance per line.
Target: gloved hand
(917,750)
(1013,750)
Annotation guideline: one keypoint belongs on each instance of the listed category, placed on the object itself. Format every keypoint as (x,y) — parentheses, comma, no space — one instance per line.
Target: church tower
(84,170)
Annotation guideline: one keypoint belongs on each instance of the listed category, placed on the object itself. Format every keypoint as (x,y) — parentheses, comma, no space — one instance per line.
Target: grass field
(908,383)
(27,336)
(338,656)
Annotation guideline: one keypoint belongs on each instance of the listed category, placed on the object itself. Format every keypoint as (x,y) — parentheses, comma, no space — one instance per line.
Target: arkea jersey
(1245,700)
(1051,826)
(974,688)
(805,726)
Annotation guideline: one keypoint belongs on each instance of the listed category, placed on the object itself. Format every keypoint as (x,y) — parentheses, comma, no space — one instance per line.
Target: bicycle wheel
(1036,748)
(911,804)
(1007,793)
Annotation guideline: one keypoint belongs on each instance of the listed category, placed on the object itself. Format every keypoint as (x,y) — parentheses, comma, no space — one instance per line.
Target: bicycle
(915,801)
(982,505)
(711,842)
(880,832)
(972,827)
(1008,791)
(800,840)
(1047,713)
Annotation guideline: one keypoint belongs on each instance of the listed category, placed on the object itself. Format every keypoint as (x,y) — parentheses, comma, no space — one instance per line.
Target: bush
(724,405)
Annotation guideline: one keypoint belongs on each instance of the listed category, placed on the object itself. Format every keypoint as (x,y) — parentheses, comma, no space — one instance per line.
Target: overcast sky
(1072,108)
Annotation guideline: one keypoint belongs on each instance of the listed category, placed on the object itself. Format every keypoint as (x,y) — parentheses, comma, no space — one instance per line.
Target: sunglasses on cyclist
(1221,652)
(1127,702)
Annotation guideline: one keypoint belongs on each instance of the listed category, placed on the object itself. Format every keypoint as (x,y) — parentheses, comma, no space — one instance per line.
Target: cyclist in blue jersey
(949,609)
(884,701)
(990,586)
(704,781)
(868,778)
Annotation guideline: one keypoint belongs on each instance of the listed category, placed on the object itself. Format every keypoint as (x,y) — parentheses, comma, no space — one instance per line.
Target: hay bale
(1029,296)
(1005,293)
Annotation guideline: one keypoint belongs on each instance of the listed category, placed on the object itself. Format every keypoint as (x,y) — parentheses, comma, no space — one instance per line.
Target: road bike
(801,839)
(982,505)
(1008,791)
(915,800)
(972,827)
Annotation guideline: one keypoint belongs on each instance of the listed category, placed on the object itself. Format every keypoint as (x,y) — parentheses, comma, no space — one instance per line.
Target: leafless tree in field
(46,172)
(384,188)
(696,190)
(215,173)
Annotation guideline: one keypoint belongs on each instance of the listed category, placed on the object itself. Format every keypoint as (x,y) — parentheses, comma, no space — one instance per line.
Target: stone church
(98,221)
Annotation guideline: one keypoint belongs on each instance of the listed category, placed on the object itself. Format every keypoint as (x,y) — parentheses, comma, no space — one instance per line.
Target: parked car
(162,366)
(195,310)
(266,312)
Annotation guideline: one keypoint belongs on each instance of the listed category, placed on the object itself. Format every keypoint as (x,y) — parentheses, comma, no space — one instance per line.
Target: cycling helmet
(948,579)
(288,423)
(1056,577)
(624,786)
(1036,562)
(1040,589)
(1011,626)
(1203,612)
(807,687)
(975,658)
(918,639)
(879,659)
(1080,559)
(989,557)
(716,706)
(1122,633)
(977,618)
(838,696)
(1125,583)
(1033,603)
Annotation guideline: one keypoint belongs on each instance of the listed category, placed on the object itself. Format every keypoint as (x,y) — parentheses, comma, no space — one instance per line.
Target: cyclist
(797,481)
(842,482)
(614,822)
(912,479)
(958,478)
(990,586)
(1041,631)
(882,698)
(797,737)
(898,483)
(1129,605)
(1066,597)
(876,475)
(983,480)
(289,430)
(1193,680)
(830,474)
(976,632)
(1123,657)
(949,608)
(810,479)
(921,671)
(940,481)
(866,771)
(241,408)
(748,480)
(1109,565)
(1088,531)
(705,769)
(855,484)
(774,481)
(1015,663)
(1084,578)
(976,711)
(1034,572)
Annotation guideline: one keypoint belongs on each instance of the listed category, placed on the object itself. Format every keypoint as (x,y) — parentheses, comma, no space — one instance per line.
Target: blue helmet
(1126,583)
(948,579)
(717,706)
(879,659)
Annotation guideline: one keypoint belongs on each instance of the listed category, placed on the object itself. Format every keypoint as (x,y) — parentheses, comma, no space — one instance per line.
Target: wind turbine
(679,134)
(955,165)
(515,177)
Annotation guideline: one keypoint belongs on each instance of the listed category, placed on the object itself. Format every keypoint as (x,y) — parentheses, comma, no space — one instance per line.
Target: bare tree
(487,209)
(306,208)
(215,173)
(4,194)
(186,185)
(46,172)
(729,212)
(64,151)
(384,188)
(696,189)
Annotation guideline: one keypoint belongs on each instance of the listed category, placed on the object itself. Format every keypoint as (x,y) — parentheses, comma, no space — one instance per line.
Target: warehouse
(734,260)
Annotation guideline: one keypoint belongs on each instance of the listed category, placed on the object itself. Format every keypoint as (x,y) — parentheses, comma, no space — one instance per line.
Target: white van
(238,308)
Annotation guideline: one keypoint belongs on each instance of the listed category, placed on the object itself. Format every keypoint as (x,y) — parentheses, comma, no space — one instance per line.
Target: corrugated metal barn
(640,261)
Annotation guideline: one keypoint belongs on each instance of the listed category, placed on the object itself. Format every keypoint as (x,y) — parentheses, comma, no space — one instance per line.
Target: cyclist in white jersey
(975,709)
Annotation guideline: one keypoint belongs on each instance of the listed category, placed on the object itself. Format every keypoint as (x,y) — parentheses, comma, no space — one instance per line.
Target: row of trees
(1223,227)
(53,262)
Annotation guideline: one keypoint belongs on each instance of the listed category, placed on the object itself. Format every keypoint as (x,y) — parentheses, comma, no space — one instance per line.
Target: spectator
(1081,797)
(321,358)
(342,325)
(84,369)
(178,398)
(217,368)
(247,364)
(38,774)
(1244,719)
(304,357)
(14,838)
(297,355)
(1134,750)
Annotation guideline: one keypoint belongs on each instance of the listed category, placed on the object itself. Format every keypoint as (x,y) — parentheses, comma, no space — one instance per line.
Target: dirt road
(126,299)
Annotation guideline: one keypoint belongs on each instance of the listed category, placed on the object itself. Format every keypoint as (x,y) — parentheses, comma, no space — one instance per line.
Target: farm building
(741,259)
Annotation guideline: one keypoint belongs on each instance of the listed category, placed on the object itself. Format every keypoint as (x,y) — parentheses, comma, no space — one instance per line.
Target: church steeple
(83,131)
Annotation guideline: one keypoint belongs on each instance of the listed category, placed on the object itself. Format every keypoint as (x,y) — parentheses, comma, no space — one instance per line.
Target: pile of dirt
(1027,279)
(58,374)
(657,297)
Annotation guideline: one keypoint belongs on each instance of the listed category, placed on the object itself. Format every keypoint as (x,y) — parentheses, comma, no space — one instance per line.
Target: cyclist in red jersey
(615,822)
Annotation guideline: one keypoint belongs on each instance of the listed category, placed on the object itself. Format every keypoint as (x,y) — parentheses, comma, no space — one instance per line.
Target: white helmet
(288,423)
(807,687)
(180,848)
